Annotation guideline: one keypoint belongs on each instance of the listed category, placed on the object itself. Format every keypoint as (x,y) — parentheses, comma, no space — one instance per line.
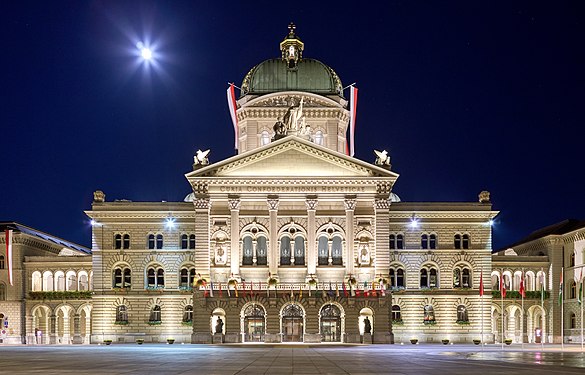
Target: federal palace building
(290,240)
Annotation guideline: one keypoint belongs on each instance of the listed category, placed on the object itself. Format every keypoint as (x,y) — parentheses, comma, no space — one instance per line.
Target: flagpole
(522,323)
(542,307)
(502,298)
(562,310)
(481,305)
(581,296)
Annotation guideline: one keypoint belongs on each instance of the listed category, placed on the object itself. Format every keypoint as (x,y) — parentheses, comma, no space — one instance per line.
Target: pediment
(292,157)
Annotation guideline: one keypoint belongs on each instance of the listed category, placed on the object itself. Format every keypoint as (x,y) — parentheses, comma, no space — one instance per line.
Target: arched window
(48,281)
(573,321)
(2,263)
(299,251)
(184,241)
(429,315)
(396,277)
(150,241)
(399,241)
(122,277)
(188,314)
(462,314)
(264,138)
(424,278)
(71,282)
(457,241)
(424,241)
(337,251)
(461,277)
(126,241)
(247,251)
(155,314)
(323,251)
(37,281)
(84,283)
(2,292)
(118,241)
(396,315)
(187,277)
(261,251)
(285,251)
(429,277)
(573,290)
(465,243)
(319,139)
(122,314)
(396,241)
(155,277)
(433,241)
(59,281)
(159,241)
(572,260)
(191,241)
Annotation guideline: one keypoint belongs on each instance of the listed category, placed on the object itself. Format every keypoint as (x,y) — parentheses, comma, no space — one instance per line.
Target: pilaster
(311,203)
(273,202)
(350,203)
(202,229)
(234,206)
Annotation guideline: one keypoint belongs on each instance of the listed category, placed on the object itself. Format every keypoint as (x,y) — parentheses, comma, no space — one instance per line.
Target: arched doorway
(218,321)
(293,318)
(330,323)
(366,321)
(254,323)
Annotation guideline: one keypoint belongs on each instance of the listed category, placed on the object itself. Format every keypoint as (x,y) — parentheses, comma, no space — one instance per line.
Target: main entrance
(292,323)
(331,323)
(254,321)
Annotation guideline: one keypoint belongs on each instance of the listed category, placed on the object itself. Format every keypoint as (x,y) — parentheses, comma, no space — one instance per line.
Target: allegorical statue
(367,325)
(382,158)
(292,117)
(201,159)
(219,325)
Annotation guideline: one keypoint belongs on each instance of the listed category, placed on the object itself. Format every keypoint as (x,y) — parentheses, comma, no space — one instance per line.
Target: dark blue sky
(465,95)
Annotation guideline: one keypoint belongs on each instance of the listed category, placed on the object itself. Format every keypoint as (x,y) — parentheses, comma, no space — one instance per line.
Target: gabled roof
(42,235)
(560,228)
(292,157)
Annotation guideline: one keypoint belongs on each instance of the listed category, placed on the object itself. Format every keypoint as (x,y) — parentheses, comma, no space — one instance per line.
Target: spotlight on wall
(413,222)
(93,222)
(490,222)
(170,222)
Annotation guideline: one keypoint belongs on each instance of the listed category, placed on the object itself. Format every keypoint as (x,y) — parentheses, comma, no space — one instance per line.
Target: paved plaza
(290,359)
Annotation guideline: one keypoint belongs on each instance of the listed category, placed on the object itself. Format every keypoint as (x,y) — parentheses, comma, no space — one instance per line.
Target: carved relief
(382,203)
(311,203)
(234,203)
(272,202)
(220,256)
(202,203)
(350,204)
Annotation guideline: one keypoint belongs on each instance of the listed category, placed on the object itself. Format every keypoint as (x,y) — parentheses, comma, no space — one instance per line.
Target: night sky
(465,95)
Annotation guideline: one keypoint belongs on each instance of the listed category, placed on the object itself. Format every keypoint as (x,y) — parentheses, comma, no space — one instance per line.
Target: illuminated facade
(290,240)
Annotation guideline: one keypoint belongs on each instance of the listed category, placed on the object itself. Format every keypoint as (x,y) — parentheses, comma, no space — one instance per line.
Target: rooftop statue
(382,158)
(200,159)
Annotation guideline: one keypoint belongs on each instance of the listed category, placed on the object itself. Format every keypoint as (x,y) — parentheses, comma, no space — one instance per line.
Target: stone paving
(290,359)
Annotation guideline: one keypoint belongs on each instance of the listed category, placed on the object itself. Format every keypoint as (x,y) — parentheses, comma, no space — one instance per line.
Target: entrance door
(331,323)
(292,329)
(292,324)
(254,323)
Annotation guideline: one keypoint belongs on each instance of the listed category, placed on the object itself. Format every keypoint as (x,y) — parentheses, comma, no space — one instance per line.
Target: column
(380,252)
(77,329)
(66,339)
(234,206)
(311,202)
(350,203)
(202,209)
(52,329)
(273,250)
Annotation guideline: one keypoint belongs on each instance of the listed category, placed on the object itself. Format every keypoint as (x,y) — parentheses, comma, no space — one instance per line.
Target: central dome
(275,75)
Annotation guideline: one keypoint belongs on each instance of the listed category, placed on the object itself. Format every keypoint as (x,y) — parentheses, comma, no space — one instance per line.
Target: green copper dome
(275,75)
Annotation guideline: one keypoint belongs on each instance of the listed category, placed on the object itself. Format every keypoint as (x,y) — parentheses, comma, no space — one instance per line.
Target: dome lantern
(292,48)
